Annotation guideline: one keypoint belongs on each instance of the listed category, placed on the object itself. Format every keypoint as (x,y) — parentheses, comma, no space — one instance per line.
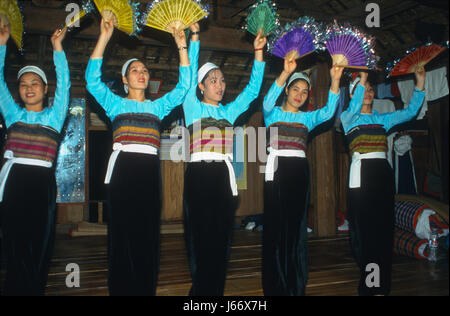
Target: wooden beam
(438,4)
(41,50)
(212,37)
(48,60)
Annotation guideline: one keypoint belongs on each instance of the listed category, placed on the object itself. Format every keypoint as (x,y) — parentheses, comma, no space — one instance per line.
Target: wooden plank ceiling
(223,42)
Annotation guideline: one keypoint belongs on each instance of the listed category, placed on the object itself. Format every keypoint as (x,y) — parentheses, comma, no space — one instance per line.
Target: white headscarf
(300,75)
(204,70)
(353,84)
(38,71)
(124,71)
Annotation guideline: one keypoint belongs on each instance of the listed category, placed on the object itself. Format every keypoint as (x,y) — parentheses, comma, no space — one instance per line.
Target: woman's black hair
(348,95)
(44,102)
(297,80)
(371,78)
(129,65)
(127,71)
(199,92)
(305,105)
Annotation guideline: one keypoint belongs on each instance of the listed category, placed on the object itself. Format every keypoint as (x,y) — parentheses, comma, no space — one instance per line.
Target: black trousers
(209,208)
(371,219)
(285,252)
(28,225)
(134,196)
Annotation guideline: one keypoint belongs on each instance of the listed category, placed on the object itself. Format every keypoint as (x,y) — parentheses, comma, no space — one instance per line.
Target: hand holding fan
(349,47)
(295,40)
(122,12)
(262,17)
(10,15)
(418,58)
(165,15)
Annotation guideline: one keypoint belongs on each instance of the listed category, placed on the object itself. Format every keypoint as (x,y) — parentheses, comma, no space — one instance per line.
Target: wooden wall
(252,199)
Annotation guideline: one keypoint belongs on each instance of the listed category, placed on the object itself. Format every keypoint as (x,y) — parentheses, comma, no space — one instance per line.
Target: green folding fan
(262,17)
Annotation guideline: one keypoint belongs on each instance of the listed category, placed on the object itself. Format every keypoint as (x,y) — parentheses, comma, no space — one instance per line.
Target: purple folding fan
(294,44)
(349,47)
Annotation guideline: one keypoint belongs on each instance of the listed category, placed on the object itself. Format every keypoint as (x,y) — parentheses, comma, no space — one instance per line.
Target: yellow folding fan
(10,15)
(179,14)
(122,12)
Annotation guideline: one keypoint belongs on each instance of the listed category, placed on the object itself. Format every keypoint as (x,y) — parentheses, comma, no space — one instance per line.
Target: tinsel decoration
(295,40)
(415,58)
(262,17)
(10,15)
(124,13)
(349,47)
(165,15)
(86,8)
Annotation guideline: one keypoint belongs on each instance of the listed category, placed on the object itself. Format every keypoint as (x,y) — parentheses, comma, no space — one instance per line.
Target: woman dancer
(133,176)
(371,185)
(27,179)
(286,190)
(210,191)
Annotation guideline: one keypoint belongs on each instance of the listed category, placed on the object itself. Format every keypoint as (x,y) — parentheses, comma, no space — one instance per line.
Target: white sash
(274,153)
(11,160)
(355,167)
(133,148)
(228,158)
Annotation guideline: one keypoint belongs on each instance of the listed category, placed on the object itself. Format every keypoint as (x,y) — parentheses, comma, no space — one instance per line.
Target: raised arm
(8,106)
(180,40)
(356,102)
(175,97)
(357,98)
(327,112)
(194,49)
(93,76)
(407,114)
(251,91)
(191,104)
(106,32)
(62,92)
(271,97)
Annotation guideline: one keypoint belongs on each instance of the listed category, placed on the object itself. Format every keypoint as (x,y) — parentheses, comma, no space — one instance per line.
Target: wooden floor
(332,269)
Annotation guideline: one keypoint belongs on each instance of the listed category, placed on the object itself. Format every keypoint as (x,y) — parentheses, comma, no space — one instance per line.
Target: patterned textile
(137,128)
(407,244)
(211,135)
(407,214)
(367,138)
(33,141)
(289,136)
(438,223)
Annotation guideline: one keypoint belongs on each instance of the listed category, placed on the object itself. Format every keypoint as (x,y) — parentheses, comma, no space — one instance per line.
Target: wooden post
(100,212)
(324,165)
(172,190)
